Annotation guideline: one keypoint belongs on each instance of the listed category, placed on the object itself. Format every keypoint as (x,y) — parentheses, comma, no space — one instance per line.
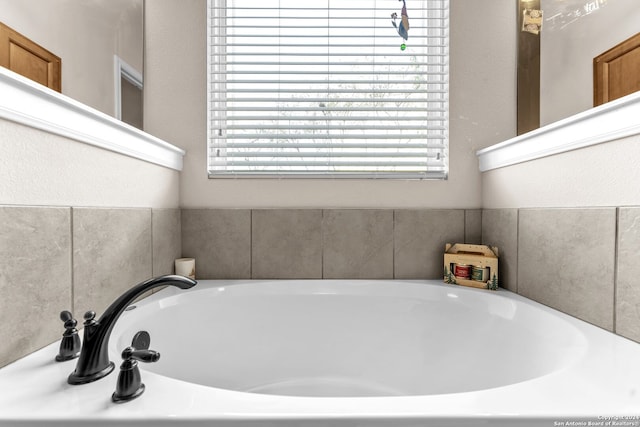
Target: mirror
(572,34)
(88,36)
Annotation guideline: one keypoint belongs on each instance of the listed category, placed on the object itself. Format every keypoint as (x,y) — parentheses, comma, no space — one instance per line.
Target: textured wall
(38,168)
(601,175)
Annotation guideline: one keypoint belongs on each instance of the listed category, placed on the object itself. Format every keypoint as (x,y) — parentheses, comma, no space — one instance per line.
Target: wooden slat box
(480,260)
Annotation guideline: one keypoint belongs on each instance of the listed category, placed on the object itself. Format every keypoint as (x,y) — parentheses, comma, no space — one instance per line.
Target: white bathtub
(343,353)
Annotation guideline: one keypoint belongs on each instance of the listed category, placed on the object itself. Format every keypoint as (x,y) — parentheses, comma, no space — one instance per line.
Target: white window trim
(29,103)
(614,120)
(275,175)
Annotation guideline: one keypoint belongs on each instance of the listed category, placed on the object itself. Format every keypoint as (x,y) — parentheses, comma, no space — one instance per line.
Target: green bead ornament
(403,46)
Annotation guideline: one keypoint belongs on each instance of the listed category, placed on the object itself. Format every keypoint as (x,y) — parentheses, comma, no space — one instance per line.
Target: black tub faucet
(93,362)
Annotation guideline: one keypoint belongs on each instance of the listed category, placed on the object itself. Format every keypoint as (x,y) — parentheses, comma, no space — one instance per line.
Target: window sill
(34,105)
(614,120)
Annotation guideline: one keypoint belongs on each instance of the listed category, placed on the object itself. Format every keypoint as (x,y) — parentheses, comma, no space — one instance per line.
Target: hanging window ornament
(403,26)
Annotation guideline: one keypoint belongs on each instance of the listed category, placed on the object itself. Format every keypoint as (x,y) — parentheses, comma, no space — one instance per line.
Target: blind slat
(345,145)
(333,162)
(328,119)
(333,127)
(356,109)
(337,136)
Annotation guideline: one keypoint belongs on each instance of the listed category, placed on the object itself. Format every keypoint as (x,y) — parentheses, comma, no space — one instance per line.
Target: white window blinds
(322,88)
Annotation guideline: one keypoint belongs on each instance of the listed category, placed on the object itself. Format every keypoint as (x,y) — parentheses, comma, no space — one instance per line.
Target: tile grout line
(250,243)
(393,240)
(517,284)
(464,225)
(615,270)
(322,243)
(393,243)
(71,259)
(151,240)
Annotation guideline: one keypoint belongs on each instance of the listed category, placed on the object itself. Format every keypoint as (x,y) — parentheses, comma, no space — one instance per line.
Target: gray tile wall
(74,258)
(111,252)
(286,244)
(357,244)
(35,277)
(324,243)
(580,261)
(77,258)
(219,240)
(627,297)
(420,237)
(500,229)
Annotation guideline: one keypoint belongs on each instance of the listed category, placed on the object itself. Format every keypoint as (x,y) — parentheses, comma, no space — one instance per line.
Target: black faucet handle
(146,356)
(129,385)
(70,343)
(141,340)
(89,317)
(67,318)
(139,349)
(65,315)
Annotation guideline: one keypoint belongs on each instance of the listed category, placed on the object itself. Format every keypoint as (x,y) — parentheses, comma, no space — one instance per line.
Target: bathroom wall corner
(627,298)
(419,240)
(500,228)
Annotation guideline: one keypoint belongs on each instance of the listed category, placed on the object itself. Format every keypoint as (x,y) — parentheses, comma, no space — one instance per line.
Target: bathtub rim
(499,304)
(174,401)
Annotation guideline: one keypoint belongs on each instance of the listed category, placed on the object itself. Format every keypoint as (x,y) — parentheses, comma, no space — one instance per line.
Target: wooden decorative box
(471,265)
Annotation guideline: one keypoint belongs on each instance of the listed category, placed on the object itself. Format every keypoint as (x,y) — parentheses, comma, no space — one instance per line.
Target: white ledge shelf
(26,102)
(614,120)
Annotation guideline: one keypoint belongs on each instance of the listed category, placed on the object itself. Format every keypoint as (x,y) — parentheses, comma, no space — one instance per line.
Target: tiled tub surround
(323,243)
(74,258)
(583,261)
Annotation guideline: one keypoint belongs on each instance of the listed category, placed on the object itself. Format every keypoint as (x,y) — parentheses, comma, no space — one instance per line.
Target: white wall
(41,169)
(482,112)
(85,35)
(568,45)
(602,175)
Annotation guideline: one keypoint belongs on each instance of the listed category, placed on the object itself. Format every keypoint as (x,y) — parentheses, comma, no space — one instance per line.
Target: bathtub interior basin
(349,338)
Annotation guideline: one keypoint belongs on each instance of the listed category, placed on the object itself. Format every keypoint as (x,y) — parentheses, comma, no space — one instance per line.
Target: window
(328,88)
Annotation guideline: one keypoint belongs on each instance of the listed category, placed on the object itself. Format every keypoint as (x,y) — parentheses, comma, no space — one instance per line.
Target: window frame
(211,130)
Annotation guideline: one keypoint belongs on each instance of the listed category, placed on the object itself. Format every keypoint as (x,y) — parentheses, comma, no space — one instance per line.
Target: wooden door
(23,56)
(616,72)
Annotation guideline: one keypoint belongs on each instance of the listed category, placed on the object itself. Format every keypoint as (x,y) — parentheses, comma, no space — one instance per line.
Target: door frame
(601,68)
(122,70)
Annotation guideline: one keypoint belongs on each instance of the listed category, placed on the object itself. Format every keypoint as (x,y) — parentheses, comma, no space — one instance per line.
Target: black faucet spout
(93,362)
